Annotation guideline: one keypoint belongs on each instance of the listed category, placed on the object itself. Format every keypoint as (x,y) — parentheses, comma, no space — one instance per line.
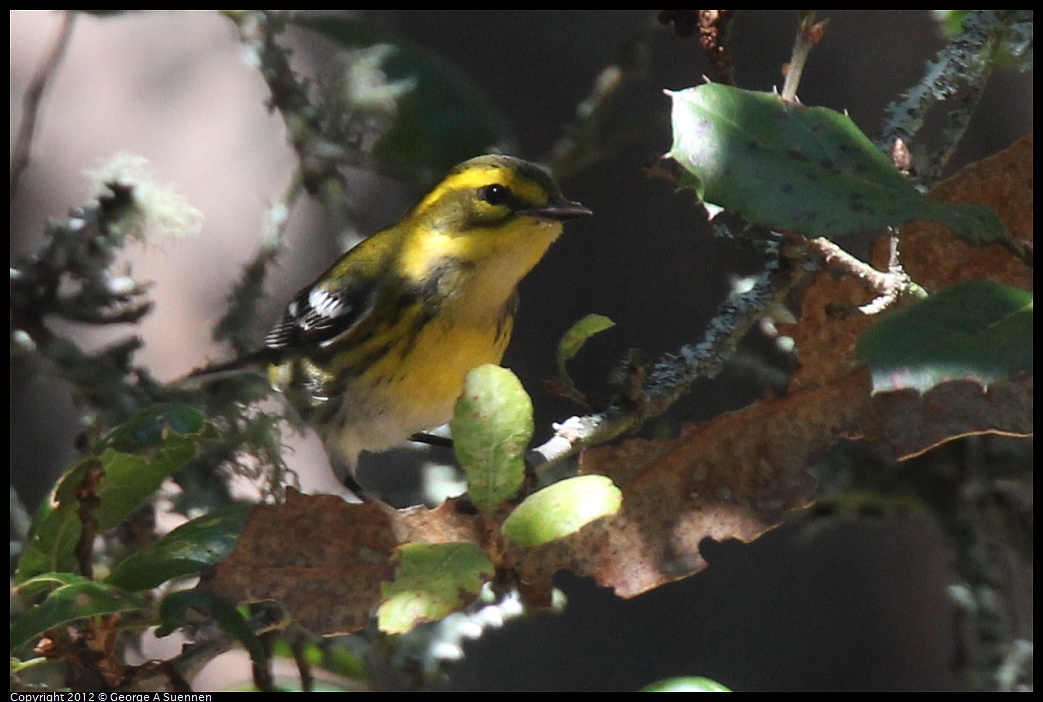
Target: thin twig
(22,151)
(809,34)
(957,73)
(889,285)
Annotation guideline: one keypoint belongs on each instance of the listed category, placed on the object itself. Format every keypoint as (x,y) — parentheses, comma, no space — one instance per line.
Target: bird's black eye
(495,194)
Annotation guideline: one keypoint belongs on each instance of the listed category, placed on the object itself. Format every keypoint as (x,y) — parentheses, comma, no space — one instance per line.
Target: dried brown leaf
(321,557)
(913,424)
(829,323)
(935,258)
(324,558)
(731,478)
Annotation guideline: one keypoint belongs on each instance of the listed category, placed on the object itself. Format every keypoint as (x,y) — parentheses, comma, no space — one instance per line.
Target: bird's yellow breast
(401,389)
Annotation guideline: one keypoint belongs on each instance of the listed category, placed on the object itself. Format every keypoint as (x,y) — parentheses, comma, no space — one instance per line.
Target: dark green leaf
(976,330)
(186,606)
(72,598)
(202,542)
(54,531)
(151,428)
(431,581)
(805,169)
(128,466)
(440,116)
(562,509)
(491,428)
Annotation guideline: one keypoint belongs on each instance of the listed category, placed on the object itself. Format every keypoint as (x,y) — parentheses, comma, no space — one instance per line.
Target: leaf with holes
(126,467)
(431,581)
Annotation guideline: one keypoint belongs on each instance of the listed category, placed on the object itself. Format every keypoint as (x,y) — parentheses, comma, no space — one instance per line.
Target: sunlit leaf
(562,509)
(574,339)
(431,581)
(693,684)
(491,429)
(805,169)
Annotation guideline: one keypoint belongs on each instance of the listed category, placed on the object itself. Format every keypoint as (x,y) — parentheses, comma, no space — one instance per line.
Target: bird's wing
(320,313)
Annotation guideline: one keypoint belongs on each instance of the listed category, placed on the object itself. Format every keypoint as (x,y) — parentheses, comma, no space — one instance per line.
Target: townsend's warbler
(376,349)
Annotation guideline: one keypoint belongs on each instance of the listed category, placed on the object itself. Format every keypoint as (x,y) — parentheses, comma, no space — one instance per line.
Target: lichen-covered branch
(650,392)
(72,277)
(239,325)
(959,72)
(318,159)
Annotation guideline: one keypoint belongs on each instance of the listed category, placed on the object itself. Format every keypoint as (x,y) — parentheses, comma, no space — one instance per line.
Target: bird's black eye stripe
(495,194)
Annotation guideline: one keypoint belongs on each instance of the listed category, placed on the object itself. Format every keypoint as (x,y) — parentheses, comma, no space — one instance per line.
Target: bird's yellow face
(496,215)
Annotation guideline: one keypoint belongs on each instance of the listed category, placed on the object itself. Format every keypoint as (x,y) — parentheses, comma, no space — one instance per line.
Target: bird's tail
(255,362)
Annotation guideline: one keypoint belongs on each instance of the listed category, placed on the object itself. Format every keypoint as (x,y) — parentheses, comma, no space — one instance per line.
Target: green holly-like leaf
(204,541)
(975,330)
(806,169)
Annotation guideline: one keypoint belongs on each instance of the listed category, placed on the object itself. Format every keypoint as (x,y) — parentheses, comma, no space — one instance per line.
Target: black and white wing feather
(317,316)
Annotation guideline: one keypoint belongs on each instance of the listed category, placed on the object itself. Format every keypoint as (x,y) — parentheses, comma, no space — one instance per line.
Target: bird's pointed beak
(561,211)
